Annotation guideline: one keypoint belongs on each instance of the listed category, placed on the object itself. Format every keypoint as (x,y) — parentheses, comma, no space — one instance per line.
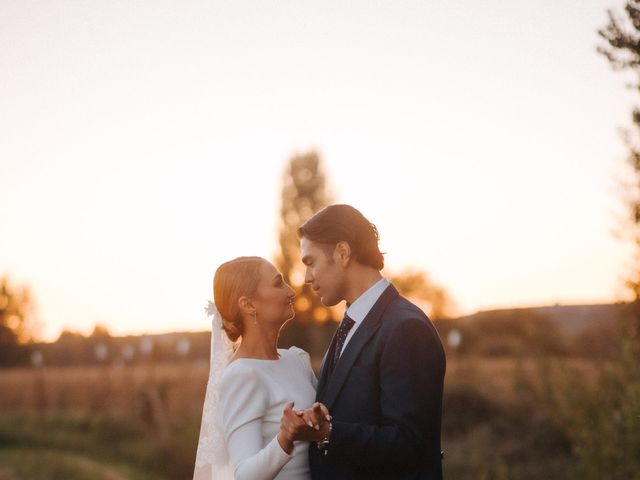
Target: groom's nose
(308,278)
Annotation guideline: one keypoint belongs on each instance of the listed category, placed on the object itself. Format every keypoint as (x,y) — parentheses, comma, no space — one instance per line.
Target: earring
(255,322)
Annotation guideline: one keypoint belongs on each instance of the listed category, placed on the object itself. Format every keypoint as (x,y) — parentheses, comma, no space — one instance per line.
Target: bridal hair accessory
(210,308)
(212,458)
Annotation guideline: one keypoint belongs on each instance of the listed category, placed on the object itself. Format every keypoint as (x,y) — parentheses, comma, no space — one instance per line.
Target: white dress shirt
(361,307)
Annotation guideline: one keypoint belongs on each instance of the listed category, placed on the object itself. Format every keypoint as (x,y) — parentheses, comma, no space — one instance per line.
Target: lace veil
(212,459)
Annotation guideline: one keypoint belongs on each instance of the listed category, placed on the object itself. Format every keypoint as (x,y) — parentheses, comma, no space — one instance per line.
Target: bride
(249,427)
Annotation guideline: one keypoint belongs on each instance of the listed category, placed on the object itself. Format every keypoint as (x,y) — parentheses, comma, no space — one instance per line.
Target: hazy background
(143,143)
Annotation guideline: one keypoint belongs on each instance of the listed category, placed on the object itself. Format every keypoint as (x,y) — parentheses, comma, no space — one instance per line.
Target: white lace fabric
(212,458)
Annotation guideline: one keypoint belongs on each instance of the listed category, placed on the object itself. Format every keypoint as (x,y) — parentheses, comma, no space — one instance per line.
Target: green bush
(601,415)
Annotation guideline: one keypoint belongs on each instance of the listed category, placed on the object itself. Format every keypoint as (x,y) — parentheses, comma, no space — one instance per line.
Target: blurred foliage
(602,341)
(129,422)
(45,464)
(142,421)
(598,412)
(417,286)
(501,333)
(493,427)
(16,323)
(621,48)
(104,445)
(513,333)
(304,192)
(73,348)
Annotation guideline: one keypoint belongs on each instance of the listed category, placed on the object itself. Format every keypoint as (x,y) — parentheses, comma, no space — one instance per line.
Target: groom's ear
(342,253)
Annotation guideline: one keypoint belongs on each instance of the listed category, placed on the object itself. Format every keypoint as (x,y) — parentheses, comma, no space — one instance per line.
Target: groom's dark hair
(338,223)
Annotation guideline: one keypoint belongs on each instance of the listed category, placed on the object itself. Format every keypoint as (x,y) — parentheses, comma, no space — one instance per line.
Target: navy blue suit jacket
(385,396)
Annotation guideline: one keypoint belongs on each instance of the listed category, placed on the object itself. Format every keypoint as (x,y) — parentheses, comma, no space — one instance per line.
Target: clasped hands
(309,425)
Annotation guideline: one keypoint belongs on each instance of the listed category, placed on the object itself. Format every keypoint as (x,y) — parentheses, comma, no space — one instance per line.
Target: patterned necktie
(341,336)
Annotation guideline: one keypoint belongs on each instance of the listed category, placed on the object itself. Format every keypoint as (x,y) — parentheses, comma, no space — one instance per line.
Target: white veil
(212,459)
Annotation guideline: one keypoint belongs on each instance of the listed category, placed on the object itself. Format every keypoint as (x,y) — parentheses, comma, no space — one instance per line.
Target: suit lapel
(328,389)
(325,366)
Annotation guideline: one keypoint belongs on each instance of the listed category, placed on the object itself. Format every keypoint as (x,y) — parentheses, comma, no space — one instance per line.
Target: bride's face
(274,298)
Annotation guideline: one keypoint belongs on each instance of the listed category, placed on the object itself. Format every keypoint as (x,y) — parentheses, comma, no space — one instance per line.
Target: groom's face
(323,273)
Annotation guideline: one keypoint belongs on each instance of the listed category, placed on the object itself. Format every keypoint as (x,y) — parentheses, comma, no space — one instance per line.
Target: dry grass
(86,390)
(499,377)
(181,386)
(488,429)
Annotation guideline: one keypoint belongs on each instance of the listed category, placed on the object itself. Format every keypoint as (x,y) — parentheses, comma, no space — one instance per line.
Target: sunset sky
(143,143)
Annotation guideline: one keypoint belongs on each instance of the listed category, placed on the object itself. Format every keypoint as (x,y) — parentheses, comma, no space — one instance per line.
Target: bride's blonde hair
(234,279)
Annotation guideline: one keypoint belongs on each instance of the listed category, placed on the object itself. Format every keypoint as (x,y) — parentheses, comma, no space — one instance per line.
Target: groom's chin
(328,302)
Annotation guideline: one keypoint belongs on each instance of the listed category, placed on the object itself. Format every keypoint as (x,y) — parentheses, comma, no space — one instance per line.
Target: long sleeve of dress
(245,400)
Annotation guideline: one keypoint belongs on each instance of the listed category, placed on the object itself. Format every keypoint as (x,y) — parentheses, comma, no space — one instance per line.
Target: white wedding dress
(253,395)
(242,412)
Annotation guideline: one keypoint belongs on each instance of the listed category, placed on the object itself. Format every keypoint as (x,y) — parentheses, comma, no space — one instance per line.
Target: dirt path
(106,472)
(55,460)
(8,474)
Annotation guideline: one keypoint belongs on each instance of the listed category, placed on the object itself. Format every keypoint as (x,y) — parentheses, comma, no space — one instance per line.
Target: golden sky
(143,143)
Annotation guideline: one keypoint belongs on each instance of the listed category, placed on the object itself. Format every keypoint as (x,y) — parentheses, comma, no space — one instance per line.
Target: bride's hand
(291,428)
(317,419)
(315,416)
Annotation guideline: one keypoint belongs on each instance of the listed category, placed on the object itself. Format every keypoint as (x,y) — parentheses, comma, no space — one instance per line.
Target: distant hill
(571,319)
(499,333)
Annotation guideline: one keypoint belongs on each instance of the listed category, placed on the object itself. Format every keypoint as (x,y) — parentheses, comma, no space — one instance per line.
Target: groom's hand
(316,417)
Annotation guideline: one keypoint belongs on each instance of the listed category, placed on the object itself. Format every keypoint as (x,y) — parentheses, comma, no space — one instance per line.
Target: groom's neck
(361,278)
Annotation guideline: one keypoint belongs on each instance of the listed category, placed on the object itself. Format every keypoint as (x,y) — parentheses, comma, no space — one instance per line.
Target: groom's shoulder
(403,319)
(401,309)
(402,313)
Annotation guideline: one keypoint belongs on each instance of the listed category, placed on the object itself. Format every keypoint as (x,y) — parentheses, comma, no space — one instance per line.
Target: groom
(382,377)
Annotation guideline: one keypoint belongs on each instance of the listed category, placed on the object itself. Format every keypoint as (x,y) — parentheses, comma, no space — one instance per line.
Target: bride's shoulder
(239,371)
(298,354)
(293,351)
(243,393)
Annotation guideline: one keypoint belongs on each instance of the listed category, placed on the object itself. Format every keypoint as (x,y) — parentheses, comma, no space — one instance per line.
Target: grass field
(142,422)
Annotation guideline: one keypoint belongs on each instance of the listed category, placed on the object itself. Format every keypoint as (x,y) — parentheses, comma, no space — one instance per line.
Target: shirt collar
(365,302)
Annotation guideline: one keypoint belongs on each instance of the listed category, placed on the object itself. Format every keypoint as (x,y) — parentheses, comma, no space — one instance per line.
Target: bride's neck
(259,343)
